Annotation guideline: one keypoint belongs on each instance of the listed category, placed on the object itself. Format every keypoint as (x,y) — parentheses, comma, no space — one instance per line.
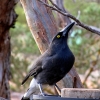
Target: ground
(16,95)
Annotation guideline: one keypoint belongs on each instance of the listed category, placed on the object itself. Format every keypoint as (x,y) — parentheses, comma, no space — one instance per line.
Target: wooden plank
(80,93)
(39,97)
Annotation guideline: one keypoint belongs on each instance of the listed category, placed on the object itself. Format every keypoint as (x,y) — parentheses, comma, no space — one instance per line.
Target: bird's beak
(66,30)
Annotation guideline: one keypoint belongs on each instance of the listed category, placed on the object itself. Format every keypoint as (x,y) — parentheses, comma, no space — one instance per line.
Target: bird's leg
(58,88)
(41,90)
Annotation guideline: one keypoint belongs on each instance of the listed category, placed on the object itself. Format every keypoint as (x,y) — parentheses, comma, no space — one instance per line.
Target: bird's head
(61,37)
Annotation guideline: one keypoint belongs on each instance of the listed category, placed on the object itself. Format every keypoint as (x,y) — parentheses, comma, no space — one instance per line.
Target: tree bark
(7,19)
(40,21)
(42,25)
(62,21)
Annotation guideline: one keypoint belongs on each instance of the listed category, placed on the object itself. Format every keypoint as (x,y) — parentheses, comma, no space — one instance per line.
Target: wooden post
(80,93)
(7,20)
(42,25)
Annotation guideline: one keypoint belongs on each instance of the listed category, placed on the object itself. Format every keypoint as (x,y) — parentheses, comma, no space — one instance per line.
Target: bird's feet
(44,94)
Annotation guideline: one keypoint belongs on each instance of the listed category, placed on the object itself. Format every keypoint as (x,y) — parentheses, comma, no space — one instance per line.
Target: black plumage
(55,62)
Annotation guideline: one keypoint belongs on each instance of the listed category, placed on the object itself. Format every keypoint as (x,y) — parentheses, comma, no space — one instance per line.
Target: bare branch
(55,5)
(61,20)
(91,69)
(87,27)
(87,74)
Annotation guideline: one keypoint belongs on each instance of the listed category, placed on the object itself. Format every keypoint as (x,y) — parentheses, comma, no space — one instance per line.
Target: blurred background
(84,44)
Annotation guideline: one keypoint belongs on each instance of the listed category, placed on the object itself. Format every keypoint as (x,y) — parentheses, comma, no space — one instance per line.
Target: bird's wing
(36,67)
(33,72)
(50,61)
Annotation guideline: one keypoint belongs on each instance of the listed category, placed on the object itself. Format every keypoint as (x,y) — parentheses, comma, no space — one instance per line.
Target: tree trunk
(42,25)
(62,21)
(7,19)
(40,21)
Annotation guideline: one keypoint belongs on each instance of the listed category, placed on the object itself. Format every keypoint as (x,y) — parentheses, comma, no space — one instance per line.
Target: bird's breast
(56,67)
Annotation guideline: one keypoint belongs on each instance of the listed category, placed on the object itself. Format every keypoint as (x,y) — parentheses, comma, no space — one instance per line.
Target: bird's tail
(27,76)
(25,79)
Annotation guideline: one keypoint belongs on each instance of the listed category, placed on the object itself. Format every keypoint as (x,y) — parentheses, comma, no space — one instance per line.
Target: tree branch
(55,5)
(56,8)
(91,69)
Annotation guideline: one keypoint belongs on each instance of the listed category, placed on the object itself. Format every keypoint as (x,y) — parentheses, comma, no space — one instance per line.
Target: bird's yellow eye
(58,36)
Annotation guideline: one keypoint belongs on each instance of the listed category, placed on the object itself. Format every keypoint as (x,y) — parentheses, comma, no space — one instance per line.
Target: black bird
(53,64)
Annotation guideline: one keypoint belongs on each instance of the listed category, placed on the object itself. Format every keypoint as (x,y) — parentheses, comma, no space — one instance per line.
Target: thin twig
(72,17)
(55,5)
(91,69)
